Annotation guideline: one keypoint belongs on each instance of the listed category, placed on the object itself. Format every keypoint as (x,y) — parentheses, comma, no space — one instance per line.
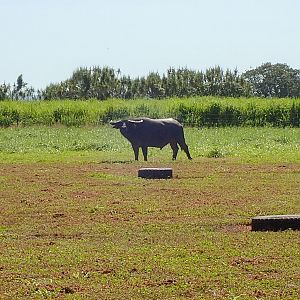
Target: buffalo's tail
(181,142)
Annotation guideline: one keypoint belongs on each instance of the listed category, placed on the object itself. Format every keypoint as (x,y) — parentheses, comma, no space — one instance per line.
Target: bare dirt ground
(97,229)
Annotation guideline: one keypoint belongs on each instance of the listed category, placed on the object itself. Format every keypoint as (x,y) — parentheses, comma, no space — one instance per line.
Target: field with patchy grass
(77,223)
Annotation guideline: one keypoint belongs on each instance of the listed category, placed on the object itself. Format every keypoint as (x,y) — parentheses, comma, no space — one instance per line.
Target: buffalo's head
(118,124)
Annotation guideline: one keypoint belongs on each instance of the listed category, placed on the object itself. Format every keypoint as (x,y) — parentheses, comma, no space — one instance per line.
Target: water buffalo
(145,132)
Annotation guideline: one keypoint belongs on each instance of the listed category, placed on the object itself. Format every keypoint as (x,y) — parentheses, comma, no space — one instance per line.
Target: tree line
(267,80)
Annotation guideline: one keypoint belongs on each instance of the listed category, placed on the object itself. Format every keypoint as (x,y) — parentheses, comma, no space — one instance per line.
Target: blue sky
(46,40)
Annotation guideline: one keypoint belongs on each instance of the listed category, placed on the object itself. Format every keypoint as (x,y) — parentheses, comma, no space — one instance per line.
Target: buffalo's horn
(136,121)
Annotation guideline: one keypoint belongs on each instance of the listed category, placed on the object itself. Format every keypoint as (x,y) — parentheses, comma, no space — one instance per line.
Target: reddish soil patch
(59,220)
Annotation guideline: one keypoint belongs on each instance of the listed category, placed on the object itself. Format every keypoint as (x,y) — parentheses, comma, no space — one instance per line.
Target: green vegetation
(278,80)
(104,83)
(103,143)
(197,112)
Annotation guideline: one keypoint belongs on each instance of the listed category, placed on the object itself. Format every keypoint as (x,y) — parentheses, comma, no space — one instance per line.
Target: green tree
(4,91)
(154,86)
(21,90)
(274,80)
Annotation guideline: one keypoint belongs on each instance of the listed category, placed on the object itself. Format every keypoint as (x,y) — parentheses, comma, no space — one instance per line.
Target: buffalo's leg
(136,152)
(185,148)
(175,149)
(145,152)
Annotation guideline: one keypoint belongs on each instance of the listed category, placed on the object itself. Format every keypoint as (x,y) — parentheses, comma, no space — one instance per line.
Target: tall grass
(203,111)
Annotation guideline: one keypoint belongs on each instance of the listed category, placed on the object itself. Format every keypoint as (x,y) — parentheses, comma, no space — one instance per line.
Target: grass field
(77,223)
(103,143)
